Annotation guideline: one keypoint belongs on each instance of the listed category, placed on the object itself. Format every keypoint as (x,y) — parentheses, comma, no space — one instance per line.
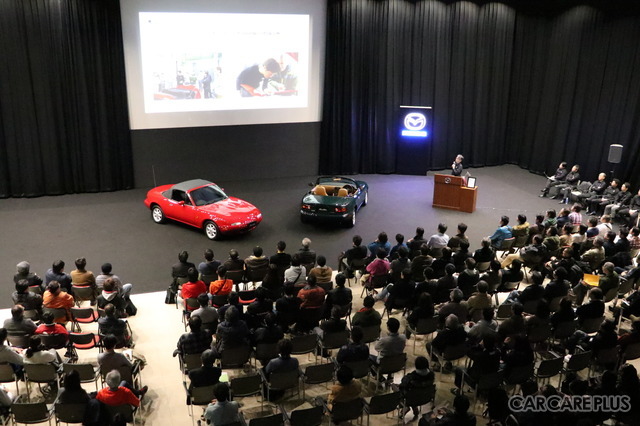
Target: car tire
(352,222)
(366,199)
(304,219)
(211,230)
(157,215)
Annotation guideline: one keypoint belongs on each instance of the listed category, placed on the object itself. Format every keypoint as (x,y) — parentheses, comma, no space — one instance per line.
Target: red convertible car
(202,204)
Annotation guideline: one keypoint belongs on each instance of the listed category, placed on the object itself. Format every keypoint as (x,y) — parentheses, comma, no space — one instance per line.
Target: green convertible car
(334,199)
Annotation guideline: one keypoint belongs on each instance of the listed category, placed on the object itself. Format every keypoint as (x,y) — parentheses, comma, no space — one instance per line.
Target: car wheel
(304,219)
(352,222)
(157,215)
(366,198)
(211,230)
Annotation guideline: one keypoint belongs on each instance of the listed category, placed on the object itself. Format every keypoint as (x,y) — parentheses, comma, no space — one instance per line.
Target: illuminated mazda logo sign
(415,121)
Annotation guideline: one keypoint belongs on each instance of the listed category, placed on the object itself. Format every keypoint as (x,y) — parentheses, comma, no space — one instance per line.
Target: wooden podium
(450,192)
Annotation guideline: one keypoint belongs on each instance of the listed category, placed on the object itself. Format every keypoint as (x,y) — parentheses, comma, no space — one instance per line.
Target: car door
(180,207)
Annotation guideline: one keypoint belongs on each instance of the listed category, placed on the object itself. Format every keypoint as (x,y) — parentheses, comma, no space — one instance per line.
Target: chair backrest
(383,404)
(507,243)
(70,413)
(85,314)
(453,352)
(335,340)
(483,266)
(554,305)
(379,281)
(30,412)
(427,325)
(56,312)
(626,285)
(272,420)
(591,325)
(520,374)
(19,340)
(579,361)
(360,368)
(266,351)
(191,361)
(208,279)
(370,333)
(549,367)
(420,397)
(608,356)
(31,314)
(531,306)
(87,372)
(237,276)
(611,294)
(126,411)
(191,303)
(81,293)
(521,240)
(322,373)
(83,340)
(53,341)
(345,411)
(282,380)
(235,357)
(327,287)
(256,274)
(631,352)
(357,264)
(247,296)
(307,417)
(126,372)
(219,300)
(7,374)
(40,373)
(392,363)
(539,333)
(565,329)
(511,285)
(246,385)
(304,344)
(201,395)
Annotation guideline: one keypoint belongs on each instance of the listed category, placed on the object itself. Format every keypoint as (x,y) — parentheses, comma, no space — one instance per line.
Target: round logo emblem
(415,121)
(447,180)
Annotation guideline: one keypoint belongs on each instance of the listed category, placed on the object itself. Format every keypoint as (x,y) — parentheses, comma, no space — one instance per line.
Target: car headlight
(236,224)
(259,216)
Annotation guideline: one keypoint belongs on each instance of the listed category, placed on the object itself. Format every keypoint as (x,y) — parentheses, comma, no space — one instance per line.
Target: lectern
(450,192)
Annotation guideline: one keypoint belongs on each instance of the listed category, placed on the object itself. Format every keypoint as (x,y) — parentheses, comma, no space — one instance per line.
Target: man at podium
(456,166)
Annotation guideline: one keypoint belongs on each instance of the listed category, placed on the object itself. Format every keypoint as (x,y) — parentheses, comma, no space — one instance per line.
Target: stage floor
(117,228)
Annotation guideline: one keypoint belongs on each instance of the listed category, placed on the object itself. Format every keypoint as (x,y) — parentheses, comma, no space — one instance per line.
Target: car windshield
(207,195)
(335,181)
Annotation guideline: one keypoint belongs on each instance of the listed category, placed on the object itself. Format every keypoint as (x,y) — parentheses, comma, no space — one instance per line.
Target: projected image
(200,62)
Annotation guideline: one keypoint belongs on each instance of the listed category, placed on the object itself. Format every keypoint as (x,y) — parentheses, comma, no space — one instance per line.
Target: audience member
(421,380)
(197,340)
(281,259)
(354,350)
(18,324)
(56,273)
(440,239)
(222,411)
(208,314)
(111,324)
(502,233)
(296,274)
(110,295)
(382,242)
(207,374)
(50,328)
(27,299)
(322,272)
(393,254)
(257,261)
(231,333)
(454,242)
(340,296)
(123,289)
(23,272)
(80,276)
(234,263)
(347,389)
(222,286)
(367,316)
(306,255)
(192,288)
(415,243)
(208,268)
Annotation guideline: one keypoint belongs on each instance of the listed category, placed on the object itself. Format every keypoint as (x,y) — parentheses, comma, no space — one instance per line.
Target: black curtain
(530,83)
(64,124)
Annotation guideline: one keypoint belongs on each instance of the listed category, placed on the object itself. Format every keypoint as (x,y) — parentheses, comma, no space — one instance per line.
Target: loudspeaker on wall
(615,153)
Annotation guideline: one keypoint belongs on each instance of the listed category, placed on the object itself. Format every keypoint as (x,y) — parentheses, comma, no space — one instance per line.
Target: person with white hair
(307,256)
(23,272)
(118,392)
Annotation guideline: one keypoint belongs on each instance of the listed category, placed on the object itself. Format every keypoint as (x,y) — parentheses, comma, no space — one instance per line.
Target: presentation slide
(228,63)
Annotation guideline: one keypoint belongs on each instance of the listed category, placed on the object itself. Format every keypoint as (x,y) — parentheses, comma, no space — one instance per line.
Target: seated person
(208,268)
(513,325)
(192,288)
(493,277)
(460,237)
(119,392)
(56,273)
(282,364)
(420,380)
(558,286)
(393,254)
(322,272)
(480,300)
(485,253)
(398,265)
(380,266)
(513,274)
(382,242)
(334,324)
(340,296)
(8,354)
(391,344)
(367,316)
(281,259)
(208,314)
(311,295)
(306,255)
(593,309)
(233,300)
(257,261)
(468,278)
(110,295)
(456,306)
(445,284)
(222,411)
(354,350)
(50,328)
(485,359)
(296,274)
(269,333)
(487,326)
(273,282)
(452,335)
(423,310)
(197,340)
(460,416)
(23,272)
(123,289)
(288,308)
(234,263)
(440,239)
(81,277)
(111,324)
(18,324)
(533,292)
(72,392)
(37,354)
(110,359)
(207,374)
(502,233)
(54,297)
(415,244)
(459,257)
(564,314)
(231,333)
(559,178)
(347,389)
(27,299)
(179,270)
(222,286)
(400,293)
(357,253)
(420,262)
(632,338)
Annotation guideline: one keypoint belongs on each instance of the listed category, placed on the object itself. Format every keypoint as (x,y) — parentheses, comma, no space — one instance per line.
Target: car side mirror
(312,184)
(181,203)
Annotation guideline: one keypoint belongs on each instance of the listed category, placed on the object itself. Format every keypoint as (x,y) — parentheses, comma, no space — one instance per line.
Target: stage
(117,228)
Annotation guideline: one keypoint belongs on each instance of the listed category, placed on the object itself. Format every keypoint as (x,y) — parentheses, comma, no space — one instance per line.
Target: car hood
(327,200)
(229,206)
